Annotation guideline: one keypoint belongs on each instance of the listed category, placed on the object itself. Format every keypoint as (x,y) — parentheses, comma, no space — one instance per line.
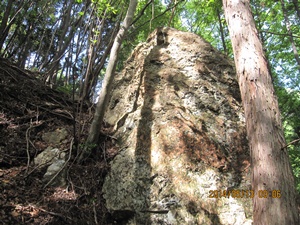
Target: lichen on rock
(177,113)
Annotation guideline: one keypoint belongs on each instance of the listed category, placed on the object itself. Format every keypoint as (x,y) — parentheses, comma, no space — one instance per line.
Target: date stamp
(236,193)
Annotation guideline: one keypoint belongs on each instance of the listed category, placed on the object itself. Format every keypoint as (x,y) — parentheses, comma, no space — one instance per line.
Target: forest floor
(29,109)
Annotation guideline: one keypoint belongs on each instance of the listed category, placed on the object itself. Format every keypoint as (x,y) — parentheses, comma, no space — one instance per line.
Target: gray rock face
(179,122)
(53,158)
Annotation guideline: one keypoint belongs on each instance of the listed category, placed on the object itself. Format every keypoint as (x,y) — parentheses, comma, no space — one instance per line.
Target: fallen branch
(56,214)
(29,142)
(95,213)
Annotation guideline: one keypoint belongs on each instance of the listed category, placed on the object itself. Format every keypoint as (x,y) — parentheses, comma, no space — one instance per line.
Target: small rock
(56,136)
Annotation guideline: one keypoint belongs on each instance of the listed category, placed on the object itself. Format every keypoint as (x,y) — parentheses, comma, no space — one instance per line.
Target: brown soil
(28,109)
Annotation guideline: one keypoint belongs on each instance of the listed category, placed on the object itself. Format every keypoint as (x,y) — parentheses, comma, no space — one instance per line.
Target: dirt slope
(28,109)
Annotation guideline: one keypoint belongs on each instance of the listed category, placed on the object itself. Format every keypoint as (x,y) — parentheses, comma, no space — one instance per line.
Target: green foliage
(294,152)
(67,89)
(88,146)
(270,22)
(289,103)
(202,17)
(104,5)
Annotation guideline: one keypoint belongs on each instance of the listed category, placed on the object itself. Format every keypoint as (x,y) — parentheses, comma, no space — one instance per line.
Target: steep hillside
(30,113)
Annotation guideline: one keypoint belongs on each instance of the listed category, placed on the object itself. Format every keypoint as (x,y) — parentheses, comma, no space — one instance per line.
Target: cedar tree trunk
(272,179)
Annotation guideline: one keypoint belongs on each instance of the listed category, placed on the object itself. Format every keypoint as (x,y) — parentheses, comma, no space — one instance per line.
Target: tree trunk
(109,76)
(271,169)
(3,27)
(66,34)
(222,31)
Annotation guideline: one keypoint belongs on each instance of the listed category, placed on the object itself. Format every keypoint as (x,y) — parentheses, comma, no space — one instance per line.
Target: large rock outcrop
(180,127)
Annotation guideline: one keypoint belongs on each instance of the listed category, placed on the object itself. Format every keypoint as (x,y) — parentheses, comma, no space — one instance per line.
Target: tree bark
(3,27)
(271,169)
(94,131)
(222,31)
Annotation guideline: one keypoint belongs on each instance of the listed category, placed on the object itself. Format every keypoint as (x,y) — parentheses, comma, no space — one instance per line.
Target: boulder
(53,158)
(178,120)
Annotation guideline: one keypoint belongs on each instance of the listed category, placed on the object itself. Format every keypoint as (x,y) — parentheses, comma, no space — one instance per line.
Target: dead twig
(102,146)
(56,214)
(27,134)
(95,213)
(291,143)
(27,146)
